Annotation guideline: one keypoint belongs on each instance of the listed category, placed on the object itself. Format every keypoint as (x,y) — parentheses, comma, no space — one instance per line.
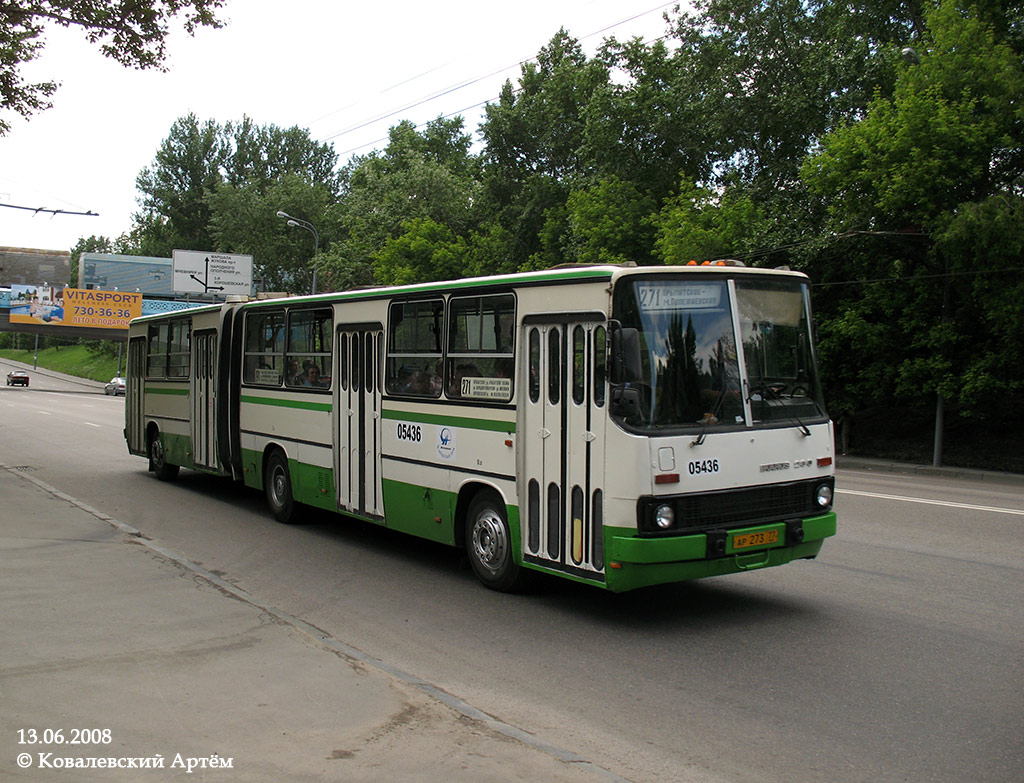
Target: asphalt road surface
(898,655)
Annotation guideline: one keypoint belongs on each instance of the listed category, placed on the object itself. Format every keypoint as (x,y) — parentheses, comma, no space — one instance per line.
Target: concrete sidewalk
(115,652)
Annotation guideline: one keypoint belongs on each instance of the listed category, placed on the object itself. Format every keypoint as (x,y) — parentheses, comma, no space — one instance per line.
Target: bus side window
(534,364)
(481,347)
(264,348)
(554,365)
(343,362)
(579,365)
(413,365)
(309,349)
(179,348)
(156,358)
(600,364)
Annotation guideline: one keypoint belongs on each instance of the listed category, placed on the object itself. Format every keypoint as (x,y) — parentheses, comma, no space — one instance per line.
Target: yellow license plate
(761,538)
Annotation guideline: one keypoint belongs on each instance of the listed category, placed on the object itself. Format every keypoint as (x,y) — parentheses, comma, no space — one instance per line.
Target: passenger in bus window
(313,378)
(294,376)
(434,380)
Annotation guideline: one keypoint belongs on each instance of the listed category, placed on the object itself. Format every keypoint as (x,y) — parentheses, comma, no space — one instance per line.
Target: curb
(908,468)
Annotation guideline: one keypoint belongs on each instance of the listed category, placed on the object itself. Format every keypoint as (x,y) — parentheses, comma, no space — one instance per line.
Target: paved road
(895,656)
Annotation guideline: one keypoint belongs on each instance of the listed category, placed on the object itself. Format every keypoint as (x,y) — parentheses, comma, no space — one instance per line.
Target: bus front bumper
(634,562)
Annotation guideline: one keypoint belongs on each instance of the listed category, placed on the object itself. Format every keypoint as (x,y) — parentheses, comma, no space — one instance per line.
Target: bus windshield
(698,373)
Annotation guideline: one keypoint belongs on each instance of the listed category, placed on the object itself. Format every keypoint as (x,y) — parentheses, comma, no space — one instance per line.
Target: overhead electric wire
(419,102)
(385,90)
(456,87)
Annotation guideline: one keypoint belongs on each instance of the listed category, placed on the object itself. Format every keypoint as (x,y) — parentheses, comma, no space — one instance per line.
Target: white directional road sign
(198,272)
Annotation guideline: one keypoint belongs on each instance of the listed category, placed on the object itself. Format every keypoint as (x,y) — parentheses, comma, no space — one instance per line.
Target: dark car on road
(17,378)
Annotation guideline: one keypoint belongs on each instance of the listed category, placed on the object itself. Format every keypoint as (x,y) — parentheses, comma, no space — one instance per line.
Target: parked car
(17,378)
(116,386)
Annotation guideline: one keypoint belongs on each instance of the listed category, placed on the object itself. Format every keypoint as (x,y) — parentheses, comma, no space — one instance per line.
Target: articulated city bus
(619,426)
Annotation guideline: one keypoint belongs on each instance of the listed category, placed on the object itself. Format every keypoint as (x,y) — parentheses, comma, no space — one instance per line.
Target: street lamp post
(297,223)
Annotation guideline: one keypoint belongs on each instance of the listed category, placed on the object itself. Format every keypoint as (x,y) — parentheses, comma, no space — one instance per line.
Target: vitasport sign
(49,306)
(101,309)
(221,274)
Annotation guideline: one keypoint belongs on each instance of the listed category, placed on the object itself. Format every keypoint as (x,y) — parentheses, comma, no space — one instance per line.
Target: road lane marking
(948,503)
(93,425)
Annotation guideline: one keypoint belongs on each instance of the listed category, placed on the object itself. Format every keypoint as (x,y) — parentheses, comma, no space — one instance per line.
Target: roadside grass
(75,360)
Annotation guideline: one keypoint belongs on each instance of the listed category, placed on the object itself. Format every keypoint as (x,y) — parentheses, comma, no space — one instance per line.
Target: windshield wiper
(771,395)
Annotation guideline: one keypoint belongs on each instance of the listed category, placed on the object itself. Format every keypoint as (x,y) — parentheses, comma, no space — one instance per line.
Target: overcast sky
(345,71)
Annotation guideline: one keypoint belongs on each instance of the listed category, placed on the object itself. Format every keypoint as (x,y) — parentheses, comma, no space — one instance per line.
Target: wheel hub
(489,541)
(278,486)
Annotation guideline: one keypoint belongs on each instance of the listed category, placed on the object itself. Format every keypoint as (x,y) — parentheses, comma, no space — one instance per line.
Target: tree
(950,133)
(700,225)
(425,251)
(770,77)
(647,125)
(609,223)
(131,32)
(422,178)
(939,161)
(540,127)
(535,148)
(262,154)
(984,241)
(214,187)
(243,219)
(188,167)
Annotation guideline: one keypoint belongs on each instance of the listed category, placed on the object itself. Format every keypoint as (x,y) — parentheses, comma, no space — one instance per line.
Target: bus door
(360,351)
(203,393)
(134,413)
(562,439)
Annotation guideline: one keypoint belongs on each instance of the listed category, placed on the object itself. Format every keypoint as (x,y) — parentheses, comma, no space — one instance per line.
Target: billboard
(220,274)
(38,304)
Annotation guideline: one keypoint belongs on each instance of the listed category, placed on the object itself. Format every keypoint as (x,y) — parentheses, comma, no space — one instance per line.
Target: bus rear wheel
(278,484)
(162,469)
(489,544)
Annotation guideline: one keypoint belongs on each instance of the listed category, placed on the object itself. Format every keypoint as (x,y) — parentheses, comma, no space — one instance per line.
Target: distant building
(108,272)
(31,266)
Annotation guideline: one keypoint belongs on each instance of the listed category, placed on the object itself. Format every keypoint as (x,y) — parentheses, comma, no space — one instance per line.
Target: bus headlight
(664,517)
(824,496)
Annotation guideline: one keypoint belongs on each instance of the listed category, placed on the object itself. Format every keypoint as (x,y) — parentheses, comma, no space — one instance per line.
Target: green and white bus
(618,426)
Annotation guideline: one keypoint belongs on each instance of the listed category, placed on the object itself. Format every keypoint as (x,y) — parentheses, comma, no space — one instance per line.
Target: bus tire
(489,544)
(278,484)
(161,468)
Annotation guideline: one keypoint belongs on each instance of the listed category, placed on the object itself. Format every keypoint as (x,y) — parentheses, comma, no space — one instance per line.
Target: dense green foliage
(875,145)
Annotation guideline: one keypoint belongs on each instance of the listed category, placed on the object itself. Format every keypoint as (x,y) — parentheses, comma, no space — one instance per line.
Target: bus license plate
(761,538)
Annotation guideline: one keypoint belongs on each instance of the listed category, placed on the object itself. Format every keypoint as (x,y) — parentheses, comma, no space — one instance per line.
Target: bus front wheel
(162,469)
(489,544)
(278,483)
